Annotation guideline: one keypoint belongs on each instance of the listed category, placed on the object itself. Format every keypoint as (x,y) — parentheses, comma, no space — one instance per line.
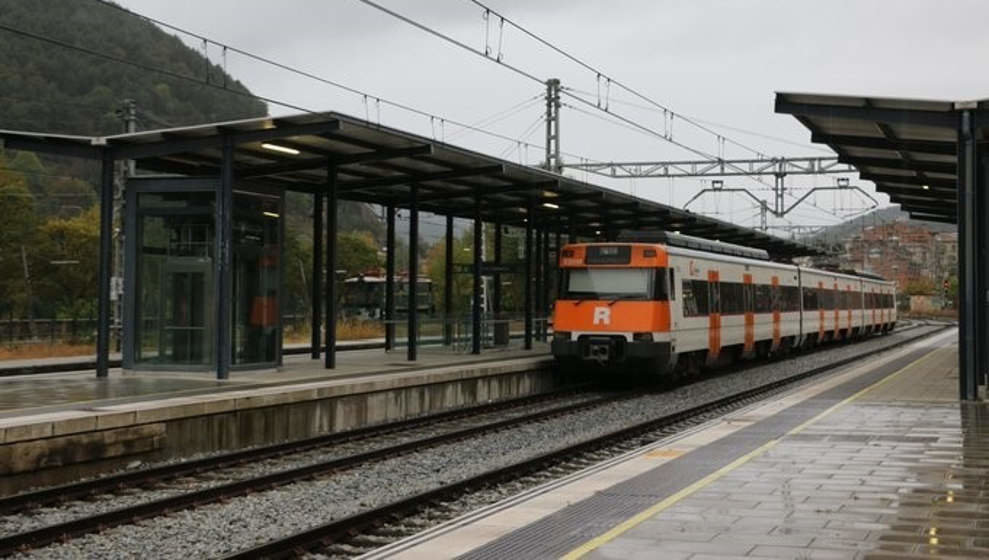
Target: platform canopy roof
(907,147)
(377,164)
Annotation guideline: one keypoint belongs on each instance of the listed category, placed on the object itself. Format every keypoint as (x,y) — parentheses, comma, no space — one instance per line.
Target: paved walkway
(901,472)
(53,392)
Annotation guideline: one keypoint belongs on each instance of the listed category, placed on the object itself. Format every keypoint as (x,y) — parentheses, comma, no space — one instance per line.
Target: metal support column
(572,229)
(476,307)
(106,241)
(496,277)
(224,261)
(981,170)
(527,290)
(967,261)
(557,289)
(330,356)
(544,297)
(390,278)
(547,285)
(448,285)
(538,256)
(413,307)
(316,302)
(553,162)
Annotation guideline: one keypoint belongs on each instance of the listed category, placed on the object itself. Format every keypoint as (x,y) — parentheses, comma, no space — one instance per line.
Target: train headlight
(642,337)
(561,335)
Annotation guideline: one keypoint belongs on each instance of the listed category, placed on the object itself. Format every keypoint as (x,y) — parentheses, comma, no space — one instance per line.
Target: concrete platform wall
(58,447)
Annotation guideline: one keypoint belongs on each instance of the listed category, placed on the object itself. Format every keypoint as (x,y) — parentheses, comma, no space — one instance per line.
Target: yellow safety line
(669,501)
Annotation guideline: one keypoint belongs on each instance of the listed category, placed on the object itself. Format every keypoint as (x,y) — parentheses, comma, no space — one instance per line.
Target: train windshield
(616,283)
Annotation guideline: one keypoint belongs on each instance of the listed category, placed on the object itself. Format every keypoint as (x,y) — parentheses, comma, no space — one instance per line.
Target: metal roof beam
(282,167)
(919,146)
(877,178)
(393,180)
(894,163)
(381,155)
(517,188)
(942,119)
(939,194)
(933,218)
(173,143)
(52,146)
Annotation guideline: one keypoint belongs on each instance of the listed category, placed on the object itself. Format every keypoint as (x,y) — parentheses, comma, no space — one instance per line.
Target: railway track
(211,466)
(344,530)
(361,533)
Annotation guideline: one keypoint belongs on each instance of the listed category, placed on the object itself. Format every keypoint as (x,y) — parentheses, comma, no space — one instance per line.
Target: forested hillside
(48,244)
(55,89)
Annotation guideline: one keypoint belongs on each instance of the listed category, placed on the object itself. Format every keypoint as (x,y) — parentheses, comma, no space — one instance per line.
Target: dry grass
(346,330)
(32,351)
(949,314)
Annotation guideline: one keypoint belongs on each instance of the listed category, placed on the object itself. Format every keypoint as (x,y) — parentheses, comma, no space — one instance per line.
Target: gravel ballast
(219,529)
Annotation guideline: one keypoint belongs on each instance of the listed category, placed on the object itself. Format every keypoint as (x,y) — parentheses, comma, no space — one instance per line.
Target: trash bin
(501,333)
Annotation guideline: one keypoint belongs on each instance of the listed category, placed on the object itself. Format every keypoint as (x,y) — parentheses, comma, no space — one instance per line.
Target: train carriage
(674,303)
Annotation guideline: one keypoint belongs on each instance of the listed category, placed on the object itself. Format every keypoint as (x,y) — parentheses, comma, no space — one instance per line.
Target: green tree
(357,253)
(67,257)
(18,238)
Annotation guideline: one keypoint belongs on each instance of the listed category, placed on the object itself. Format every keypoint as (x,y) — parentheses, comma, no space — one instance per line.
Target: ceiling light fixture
(282,149)
(551,205)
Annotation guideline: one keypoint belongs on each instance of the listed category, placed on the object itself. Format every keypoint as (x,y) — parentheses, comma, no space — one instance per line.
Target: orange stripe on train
(749,318)
(623,316)
(714,320)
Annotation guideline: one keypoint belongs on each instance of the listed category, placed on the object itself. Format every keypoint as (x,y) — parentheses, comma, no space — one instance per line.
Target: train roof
(673,239)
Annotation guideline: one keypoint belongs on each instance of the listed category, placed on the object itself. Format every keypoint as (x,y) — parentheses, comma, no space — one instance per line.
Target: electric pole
(553,161)
(128,114)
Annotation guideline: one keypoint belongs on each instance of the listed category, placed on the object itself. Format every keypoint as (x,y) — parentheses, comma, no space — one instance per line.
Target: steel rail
(307,541)
(69,529)
(152,475)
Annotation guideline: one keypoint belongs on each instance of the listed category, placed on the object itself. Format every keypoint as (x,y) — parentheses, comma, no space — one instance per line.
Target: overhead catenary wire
(609,80)
(710,123)
(223,86)
(444,37)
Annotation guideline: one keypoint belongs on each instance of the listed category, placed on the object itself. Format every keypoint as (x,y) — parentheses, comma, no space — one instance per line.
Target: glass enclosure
(172,277)
(256,251)
(176,245)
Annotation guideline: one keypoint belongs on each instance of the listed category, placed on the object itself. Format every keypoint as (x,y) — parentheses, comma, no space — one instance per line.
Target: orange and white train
(683,303)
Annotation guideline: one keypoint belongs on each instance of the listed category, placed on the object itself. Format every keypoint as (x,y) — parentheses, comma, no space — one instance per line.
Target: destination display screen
(608,254)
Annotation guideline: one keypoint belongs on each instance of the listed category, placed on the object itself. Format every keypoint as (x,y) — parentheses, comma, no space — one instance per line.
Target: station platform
(35,393)
(59,427)
(877,461)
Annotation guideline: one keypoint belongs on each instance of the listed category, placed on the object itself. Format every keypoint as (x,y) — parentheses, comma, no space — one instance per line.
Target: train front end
(614,308)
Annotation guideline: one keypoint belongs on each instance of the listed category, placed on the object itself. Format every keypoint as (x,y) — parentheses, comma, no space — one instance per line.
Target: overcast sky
(720,61)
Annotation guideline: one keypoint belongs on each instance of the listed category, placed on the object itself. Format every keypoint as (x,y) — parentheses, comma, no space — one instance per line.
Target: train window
(789,298)
(672,285)
(732,298)
(695,298)
(749,290)
(661,286)
(810,299)
(763,298)
(609,283)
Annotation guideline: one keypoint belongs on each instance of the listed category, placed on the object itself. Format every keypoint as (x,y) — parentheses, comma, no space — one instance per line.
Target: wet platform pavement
(32,394)
(875,462)
(901,472)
